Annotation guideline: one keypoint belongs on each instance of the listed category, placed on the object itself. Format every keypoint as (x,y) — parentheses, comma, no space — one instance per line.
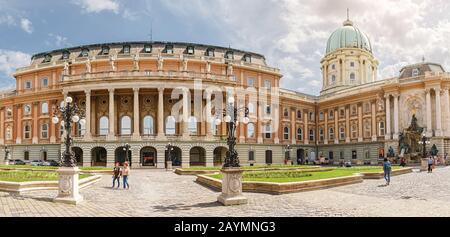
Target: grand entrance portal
(176,156)
(98,155)
(148,156)
(121,155)
(300,156)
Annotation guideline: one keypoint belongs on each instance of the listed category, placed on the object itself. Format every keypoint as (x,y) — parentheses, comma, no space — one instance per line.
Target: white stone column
(160,113)
(2,129)
(388,117)
(429,130)
(396,118)
(87,134)
(447,111)
(136,117)
(112,116)
(186,113)
(374,121)
(438,112)
(208,118)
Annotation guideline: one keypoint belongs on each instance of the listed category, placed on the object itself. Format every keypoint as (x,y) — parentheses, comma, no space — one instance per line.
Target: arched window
(299,114)
(170,125)
(321,134)
(286,113)
(342,133)
(148,125)
(8,133)
(286,133)
(251,108)
(104,126)
(44,131)
(27,131)
(268,131)
(251,130)
(311,135)
(299,134)
(81,129)
(44,108)
(331,133)
(352,77)
(333,79)
(192,125)
(354,130)
(125,125)
(381,128)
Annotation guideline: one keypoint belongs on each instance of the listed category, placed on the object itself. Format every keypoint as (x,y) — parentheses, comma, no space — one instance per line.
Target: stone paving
(161,193)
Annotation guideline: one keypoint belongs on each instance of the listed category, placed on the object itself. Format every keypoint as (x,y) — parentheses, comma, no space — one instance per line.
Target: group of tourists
(121,172)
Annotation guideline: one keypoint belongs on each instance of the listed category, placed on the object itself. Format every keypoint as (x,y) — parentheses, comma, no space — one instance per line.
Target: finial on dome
(348,22)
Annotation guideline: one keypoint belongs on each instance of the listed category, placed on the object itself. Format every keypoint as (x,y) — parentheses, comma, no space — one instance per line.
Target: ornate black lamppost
(68,172)
(288,150)
(169,148)
(126,148)
(424,142)
(231,171)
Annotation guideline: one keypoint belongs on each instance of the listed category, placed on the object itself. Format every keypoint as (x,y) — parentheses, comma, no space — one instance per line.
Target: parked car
(36,163)
(53,163)
(17,162)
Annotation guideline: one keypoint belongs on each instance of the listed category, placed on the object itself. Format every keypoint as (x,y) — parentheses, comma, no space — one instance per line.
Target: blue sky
(292,34)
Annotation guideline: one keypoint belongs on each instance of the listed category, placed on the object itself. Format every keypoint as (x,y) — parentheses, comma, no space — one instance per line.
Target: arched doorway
(269,157)
(148,156)
(121,155)
(300,156)
(219,155)
(197,156)
(78,152)
(176,156)
(98,155)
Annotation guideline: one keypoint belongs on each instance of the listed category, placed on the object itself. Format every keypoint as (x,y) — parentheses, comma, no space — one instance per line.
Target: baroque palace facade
(129,92)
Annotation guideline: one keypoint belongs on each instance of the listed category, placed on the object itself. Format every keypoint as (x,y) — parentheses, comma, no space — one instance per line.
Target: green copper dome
(348,36)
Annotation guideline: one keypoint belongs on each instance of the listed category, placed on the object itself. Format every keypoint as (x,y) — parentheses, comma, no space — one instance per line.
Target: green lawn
(217,168)
(48,167)
(298,175)
(26,176)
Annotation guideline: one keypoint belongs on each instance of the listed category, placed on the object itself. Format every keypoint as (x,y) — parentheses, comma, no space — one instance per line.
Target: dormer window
(66,55)
(229,55)
(169,49)
(415,72)
(247,58)
(47,58)
(147,48)
(210,52)
(84,52)
(190,50)
(105,50)
(126,49)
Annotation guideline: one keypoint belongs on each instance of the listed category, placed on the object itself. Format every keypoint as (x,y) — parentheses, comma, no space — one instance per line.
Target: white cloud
(58,41)
(7,19)
(292,34)
(26,25)
(96,6)
(10,60)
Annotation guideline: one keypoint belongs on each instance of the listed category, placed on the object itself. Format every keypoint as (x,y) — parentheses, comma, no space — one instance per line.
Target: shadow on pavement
(183,207)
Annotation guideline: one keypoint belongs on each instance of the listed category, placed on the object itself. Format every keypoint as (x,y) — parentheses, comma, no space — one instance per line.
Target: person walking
(430,164)
(117,172)
(387,170)
(125,174)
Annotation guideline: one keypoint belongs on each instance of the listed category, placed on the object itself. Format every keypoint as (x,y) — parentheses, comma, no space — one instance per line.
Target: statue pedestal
(424,165)
(232,187)
(68,187)
(169,165)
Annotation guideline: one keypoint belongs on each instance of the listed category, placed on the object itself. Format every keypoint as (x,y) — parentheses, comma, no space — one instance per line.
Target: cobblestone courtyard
(161,193)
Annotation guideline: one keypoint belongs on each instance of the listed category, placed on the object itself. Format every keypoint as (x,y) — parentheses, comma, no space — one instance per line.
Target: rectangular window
(267,84)
(354,155)
(268,131)
(44,131)
(321,135)
(26,155)
(147,48)
(251,155)
(268,109)
(321,116)
(28,85)
(251,82)
(44,82)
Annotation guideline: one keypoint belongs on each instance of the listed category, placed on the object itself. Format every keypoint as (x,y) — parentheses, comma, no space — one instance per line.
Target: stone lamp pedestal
(424,165)
(232,187)
(68,187)
(169,165)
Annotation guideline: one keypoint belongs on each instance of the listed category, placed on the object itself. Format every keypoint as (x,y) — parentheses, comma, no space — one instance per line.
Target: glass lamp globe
(218,121)
(246,120)
(55,120)
(75,119)
(62,123)
(83,121)
(227,118)
(69,99)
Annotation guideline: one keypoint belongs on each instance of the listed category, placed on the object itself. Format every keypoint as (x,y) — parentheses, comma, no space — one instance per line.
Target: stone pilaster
(88,134)
(136,117)
(429,131)
(438,112)
(388,117)
(396,118)
(112,115)
(161,113)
